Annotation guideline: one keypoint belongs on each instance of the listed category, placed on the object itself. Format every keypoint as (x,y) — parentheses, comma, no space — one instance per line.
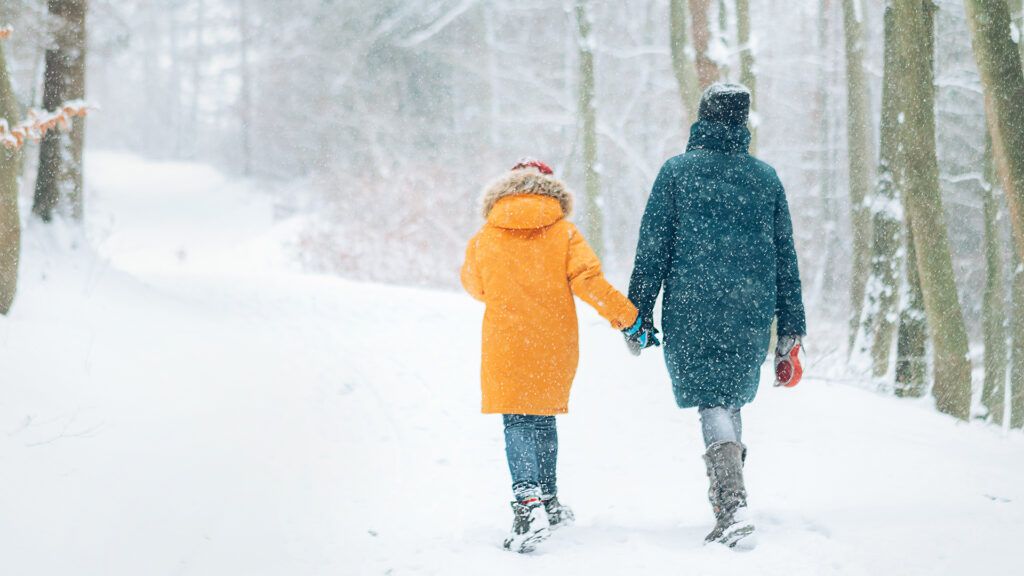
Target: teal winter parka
(717,236)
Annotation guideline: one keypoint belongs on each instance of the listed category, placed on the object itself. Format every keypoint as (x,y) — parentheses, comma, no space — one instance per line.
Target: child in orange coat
(525,264)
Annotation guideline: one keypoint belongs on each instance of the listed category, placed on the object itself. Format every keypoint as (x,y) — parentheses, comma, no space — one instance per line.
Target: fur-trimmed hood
(526,181)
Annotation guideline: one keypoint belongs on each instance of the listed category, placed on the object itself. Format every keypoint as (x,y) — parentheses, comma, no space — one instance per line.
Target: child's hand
(640,335)
(788,370)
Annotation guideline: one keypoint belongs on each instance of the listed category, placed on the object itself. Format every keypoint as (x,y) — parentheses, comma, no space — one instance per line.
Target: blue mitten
(642,334)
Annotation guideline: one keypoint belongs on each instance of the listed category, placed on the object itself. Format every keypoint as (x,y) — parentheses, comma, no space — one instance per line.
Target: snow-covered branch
(438,25)
(39,123)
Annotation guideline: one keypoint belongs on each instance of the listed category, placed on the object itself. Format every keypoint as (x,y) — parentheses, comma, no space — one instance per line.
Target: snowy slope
(177,399)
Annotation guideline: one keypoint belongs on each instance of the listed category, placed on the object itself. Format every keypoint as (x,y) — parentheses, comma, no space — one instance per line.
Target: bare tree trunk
(588,120)
(858,134)
(1017,345)
(993,301)
(724,31)
(747,76)
(245,104)
(825,284)
(10,224)
(682,64)
(59,181)
(887,222)
(1019,11)
(912,336)
(1002,80)
(707,69)
(913,25)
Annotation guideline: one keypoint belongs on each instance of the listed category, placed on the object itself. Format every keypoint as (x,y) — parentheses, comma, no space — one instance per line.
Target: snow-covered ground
(176,398)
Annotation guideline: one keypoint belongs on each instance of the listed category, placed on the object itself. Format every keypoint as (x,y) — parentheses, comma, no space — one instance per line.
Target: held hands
(642,334)
(788,370)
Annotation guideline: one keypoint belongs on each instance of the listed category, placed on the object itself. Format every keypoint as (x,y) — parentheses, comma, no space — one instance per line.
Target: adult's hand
(788,369)
(642,334)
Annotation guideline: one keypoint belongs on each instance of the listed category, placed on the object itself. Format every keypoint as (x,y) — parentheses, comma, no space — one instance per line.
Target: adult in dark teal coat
(717,237)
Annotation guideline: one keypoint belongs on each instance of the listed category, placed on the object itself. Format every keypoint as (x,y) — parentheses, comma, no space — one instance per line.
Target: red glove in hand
(788,370)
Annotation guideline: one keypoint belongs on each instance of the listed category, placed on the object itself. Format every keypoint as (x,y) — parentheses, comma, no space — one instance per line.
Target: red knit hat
(533,163)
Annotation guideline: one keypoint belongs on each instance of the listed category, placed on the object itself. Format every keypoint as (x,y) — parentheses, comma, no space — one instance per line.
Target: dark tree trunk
(912,336)
(59,180)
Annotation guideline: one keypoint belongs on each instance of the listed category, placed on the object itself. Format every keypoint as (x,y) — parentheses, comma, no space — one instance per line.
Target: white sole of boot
(739,535)
(527,543)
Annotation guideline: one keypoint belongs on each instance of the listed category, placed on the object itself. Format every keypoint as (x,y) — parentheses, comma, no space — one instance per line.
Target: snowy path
(187,404)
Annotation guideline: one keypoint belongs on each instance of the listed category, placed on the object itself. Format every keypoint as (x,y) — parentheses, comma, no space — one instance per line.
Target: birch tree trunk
(993,301)
(59,180)
(682,64)
(858,134)
(588,121)
(10,224)
(913,26)
(707,69)
(747,76)
(882,287)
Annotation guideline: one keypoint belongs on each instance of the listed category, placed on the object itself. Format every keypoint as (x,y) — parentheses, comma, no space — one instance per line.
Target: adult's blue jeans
(531,446)
(721,424)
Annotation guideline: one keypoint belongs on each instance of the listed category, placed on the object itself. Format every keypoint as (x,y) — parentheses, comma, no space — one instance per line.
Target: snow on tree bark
(882,288)
(993,300)
(59,180)
(913,25)
(912,334)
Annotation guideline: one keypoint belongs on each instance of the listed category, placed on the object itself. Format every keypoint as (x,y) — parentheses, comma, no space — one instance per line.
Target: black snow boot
(558,514)
(727,494)
(529,527)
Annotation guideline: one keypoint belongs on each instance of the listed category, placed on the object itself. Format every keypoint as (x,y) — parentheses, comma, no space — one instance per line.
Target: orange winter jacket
(525,264)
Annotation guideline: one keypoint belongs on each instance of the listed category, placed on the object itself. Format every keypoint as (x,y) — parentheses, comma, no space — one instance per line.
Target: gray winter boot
(559,514)
(727,494)
(529,526)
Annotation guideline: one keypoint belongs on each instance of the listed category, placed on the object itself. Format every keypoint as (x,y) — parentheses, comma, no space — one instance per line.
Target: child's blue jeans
(531,446)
